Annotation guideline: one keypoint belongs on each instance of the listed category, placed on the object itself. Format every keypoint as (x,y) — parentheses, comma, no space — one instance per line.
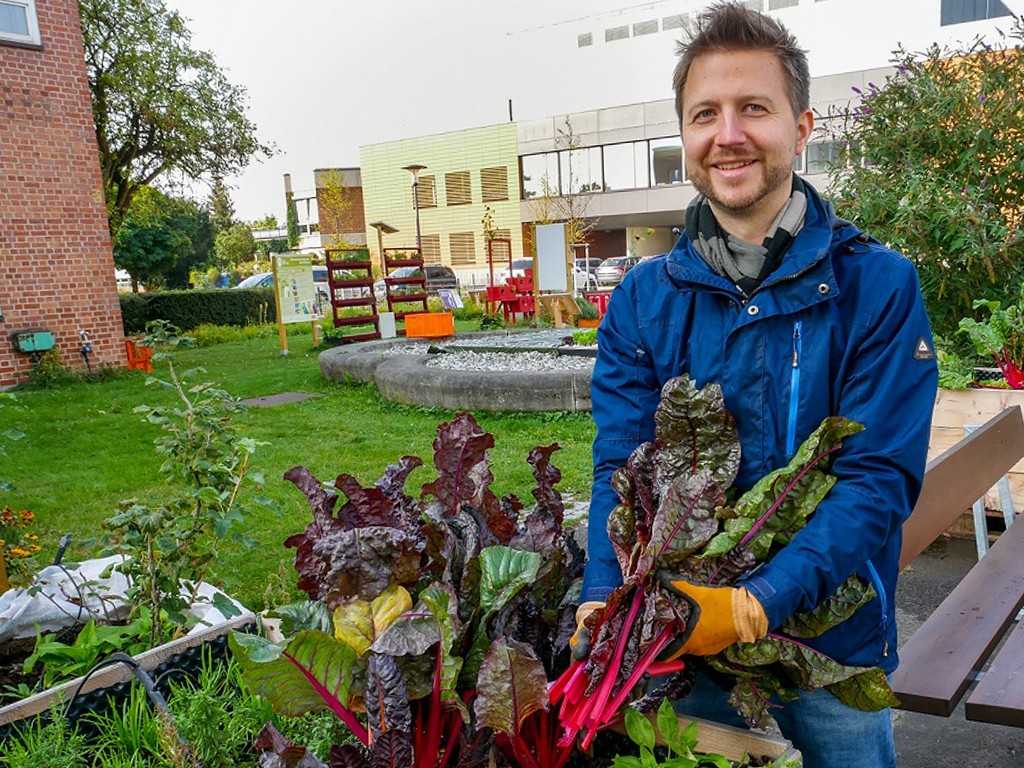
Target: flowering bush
(18,543)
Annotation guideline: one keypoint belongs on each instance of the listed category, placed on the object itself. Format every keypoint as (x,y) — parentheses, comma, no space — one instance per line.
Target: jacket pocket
(883,601)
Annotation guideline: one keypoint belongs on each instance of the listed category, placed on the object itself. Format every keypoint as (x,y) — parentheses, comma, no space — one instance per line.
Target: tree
(194,220)
(158,104)
(932,163)
(222,211)
(570,204)
(233,246)
(292,220)
(151,238)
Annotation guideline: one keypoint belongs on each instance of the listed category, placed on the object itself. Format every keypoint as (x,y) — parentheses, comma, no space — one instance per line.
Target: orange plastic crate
(429,325)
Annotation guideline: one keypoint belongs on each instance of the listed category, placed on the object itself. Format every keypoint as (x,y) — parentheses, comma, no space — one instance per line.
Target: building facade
(622,164)
(466,173)
(56,263)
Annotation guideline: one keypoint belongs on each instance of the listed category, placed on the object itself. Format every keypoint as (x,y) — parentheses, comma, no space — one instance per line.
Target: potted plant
(1000,337)
(588,317)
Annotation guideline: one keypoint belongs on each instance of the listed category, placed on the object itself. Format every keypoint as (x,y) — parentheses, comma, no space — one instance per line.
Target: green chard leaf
(869,691)
(313,672)
(851,596)
(639,729)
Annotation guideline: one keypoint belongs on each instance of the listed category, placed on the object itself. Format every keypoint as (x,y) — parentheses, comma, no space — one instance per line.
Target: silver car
(614,269)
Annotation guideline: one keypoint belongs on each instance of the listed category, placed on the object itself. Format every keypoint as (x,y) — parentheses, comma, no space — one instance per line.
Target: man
(798,316)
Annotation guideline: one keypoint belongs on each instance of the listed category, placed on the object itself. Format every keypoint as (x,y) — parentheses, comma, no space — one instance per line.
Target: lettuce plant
(424,615)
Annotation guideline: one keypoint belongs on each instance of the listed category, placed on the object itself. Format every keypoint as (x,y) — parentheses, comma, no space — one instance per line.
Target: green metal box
(33,341)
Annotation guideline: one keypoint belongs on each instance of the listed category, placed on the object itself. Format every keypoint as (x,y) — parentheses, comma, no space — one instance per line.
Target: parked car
(614,269)
(438,278)
(266,280)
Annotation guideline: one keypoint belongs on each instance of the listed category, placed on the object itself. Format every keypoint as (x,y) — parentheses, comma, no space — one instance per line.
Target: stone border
(407,379)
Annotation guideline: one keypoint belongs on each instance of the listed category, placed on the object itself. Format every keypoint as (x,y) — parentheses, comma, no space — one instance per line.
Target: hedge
(188,309)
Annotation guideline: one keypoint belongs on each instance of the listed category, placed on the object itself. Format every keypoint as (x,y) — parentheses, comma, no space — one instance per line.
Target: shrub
(189,309)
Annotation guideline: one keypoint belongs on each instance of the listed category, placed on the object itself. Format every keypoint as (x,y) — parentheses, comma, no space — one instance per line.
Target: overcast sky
(326,76)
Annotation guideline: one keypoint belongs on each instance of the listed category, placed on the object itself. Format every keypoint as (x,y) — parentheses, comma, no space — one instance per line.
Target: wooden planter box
(734,743)
(955,409)
(429,325)
(584,322)
(118,673)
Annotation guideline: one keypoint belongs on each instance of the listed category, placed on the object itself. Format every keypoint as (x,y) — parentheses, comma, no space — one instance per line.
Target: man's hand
(580,640)
(724,615)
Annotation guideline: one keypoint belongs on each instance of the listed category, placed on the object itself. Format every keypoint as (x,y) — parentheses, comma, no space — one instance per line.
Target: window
(625,166)
(798,163)
(18,23)
(616,33)
(430,246)
(821,155)
(666,161)
(457,189)
(645,27)
(774,5)
(426,194)
(673,22)
(960,11)
(582,41)
(494,183)
(581,170)
(463,249)
(539,175)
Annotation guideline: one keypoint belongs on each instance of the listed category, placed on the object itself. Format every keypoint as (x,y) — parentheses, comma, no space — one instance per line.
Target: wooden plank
(938,661)
(116,673)
(731,742)
(961,475)
(999,697)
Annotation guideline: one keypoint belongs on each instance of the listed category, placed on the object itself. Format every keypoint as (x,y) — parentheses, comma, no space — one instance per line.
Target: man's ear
(804,129)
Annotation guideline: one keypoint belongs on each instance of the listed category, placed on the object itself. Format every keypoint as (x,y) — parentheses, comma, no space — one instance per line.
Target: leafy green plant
(44,743)
(1000,336)
(171,546)
(585,338)
(587,310)
(18,546)
(50,371)
(936,172)
(61,661)
(955,371)
(126,731)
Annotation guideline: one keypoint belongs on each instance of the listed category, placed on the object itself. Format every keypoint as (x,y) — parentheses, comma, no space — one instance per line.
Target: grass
(84,450)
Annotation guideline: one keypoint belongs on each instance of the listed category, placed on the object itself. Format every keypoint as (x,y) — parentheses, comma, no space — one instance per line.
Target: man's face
(739,131)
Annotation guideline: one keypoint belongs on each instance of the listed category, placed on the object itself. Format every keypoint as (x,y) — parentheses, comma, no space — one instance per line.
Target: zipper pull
(796,340)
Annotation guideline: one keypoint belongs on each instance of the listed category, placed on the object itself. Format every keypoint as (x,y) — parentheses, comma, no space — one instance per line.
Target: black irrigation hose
(155,697)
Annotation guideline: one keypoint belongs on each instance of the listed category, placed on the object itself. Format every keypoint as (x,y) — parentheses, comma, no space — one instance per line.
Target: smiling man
(798,315)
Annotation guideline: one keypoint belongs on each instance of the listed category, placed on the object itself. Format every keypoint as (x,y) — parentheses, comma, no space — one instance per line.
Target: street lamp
(415,169)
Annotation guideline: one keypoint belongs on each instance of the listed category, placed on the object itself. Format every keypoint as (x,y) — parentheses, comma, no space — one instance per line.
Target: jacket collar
(822,228)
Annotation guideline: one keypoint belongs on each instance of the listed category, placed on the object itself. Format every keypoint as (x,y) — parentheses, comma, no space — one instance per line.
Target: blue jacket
(838,329)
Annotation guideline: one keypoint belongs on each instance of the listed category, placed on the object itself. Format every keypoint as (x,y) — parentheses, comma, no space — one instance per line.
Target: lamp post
(415,169)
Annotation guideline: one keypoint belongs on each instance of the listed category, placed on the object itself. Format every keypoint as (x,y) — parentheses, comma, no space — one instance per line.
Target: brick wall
(56,265)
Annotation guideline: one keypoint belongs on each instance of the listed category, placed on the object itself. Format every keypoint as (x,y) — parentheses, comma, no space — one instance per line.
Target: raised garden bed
(173,654)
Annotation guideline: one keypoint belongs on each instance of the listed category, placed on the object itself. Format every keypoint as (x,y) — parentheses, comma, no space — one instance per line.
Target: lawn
(84,450)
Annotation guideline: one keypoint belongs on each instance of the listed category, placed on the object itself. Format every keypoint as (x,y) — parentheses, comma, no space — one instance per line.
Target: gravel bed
(408,349)
(504,361)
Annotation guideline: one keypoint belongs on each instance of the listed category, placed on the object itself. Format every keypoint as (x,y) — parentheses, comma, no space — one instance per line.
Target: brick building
(56,264)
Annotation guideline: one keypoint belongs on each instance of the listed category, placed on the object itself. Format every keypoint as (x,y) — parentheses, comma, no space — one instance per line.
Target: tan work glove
(724,615)
(580,640)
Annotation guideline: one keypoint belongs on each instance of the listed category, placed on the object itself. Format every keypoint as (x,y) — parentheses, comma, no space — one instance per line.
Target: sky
(326,76)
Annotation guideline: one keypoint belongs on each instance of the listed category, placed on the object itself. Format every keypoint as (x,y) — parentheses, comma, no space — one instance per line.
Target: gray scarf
(745,264)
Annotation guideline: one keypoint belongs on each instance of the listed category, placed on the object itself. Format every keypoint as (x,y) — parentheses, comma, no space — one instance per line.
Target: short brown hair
(730,26)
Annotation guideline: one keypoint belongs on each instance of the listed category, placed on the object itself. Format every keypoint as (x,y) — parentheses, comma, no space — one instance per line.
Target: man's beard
(774,177)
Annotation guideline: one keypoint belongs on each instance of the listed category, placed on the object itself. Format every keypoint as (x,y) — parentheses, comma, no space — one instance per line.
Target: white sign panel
(296,293)
(551,274)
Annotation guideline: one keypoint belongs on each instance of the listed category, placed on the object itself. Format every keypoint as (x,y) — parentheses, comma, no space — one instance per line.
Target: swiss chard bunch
(679,515)
(424,614)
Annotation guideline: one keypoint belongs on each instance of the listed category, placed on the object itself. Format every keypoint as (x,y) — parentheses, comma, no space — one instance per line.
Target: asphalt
(924,741)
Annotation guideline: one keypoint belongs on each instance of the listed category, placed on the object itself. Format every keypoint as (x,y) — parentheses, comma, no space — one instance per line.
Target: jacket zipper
(876,581)
(794,392)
